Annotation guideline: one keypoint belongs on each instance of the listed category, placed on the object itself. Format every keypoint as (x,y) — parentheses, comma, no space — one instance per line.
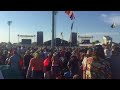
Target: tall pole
(18,38)
(92,38)
(9,23)
(55,29)
(62,40)
(53,22)
(71,38)
(9,33)
(34,38)
(78,39)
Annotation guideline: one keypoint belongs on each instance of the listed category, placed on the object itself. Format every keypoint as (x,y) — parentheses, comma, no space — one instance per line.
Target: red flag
(70,14)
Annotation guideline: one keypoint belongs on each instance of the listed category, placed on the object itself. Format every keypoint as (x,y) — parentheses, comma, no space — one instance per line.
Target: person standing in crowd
(84,66)
(3,58)
(19,50)
(96,65)
(108,52)
(23,50)
(36,68)
(14,61)
(77,53)
(47,66)
(8,57)
(67,54)
(73,65)
(42,55)
(84,62)
(45,53)
(55,68)
(26,60)
(62,52)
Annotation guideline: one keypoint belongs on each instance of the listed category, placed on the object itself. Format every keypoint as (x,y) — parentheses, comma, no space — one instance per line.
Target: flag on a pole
(72,25)
(113,25)
(62,37)
(70,39)
(70,14)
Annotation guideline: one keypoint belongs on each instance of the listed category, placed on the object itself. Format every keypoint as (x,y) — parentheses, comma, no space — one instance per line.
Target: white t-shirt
(108,53)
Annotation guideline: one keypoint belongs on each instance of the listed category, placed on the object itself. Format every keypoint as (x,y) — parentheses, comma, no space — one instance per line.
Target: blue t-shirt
(14,62)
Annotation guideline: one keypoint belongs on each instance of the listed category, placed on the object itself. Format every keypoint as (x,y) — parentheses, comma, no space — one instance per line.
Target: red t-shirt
(36,64)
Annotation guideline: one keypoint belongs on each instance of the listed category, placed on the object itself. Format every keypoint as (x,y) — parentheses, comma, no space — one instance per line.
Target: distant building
(85,41)
(39,38)
(59,42)
(26,41)
(74,39)
(107,39)
(3,43)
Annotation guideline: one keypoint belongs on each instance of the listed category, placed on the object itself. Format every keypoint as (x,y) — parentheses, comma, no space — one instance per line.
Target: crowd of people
(59,63)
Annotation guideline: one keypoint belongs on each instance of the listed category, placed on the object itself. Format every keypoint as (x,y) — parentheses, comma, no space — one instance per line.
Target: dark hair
(99,51)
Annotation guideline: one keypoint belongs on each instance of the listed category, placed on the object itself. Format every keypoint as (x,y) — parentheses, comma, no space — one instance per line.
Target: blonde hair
(36,55)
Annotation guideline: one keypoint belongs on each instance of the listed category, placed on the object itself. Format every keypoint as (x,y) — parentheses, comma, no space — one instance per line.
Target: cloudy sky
(96,23)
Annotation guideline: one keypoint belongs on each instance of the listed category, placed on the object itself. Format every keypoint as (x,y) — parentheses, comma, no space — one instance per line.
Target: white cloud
(104,15)
(111,18)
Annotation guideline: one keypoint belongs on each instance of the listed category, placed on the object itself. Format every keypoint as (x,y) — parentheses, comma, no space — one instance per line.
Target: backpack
(46,62)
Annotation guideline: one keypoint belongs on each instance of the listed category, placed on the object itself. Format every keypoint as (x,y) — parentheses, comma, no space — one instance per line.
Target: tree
(95,42)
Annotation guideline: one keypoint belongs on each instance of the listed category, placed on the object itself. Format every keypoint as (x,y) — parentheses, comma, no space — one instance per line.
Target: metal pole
(18,38)
(55,27)
(92,38)
(55,36)
(61,38)
(53,19)
(9,23)
(55,14)
(34,38)
(71,39)
(62,41)
(9,33)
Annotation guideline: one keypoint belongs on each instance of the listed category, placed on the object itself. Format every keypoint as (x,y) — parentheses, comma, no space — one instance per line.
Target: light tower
(9,23)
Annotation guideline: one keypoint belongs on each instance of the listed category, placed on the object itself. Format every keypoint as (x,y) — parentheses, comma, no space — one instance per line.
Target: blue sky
(96,23)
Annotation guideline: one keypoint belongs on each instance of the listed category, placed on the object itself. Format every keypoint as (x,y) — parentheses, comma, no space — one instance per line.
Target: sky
(90,23)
